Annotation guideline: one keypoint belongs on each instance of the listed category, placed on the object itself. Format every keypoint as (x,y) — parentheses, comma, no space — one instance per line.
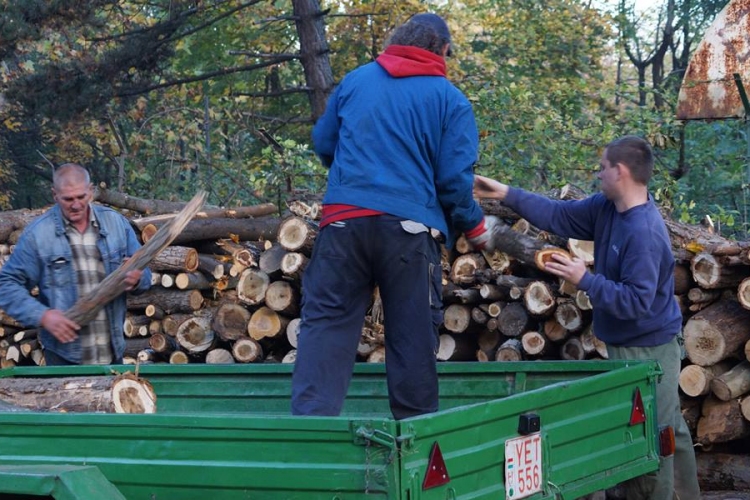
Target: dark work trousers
(349,258)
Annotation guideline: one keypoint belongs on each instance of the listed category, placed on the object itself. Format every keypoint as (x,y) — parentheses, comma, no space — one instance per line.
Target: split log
(212,266)
(192,281)
(176,258)
(266,323)
(582,249)
(709,272)
(230,321)
(247,351)
(178,358)
(270,261)
(717,332)
(573,350)
(210,213)
(293,264)
(219,357)
(457,318)
(489,340)
(534,343)
(696,380)
(162,343)
(732,384)
(123,393)
(554,331)
(513,320)
(283,298)
(168,300)
(465,267)
(87,307)
(135,345)
(539,300)
(195,335)
(213,229)
(510,350)
(292,331)
(569,315)
(252,286)
(296,234)
(456,348)
(171,323)
(721,421)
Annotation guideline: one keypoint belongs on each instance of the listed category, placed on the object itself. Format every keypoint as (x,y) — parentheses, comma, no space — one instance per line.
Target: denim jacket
(43,258)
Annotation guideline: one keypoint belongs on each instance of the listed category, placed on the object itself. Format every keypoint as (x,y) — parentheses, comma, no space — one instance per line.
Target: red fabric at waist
(337,212)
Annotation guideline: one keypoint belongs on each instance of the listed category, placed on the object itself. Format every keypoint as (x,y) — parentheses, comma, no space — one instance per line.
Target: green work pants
(677,477)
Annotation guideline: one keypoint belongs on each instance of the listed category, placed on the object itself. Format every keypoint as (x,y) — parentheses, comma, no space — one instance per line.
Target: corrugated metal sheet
(709,89)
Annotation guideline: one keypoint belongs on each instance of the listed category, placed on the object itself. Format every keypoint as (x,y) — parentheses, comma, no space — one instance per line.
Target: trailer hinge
(368,435)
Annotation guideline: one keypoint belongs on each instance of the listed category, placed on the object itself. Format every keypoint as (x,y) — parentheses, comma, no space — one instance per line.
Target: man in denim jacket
(66,252)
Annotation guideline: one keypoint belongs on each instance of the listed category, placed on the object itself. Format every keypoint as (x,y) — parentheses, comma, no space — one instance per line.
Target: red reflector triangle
(437,473)
(637,414)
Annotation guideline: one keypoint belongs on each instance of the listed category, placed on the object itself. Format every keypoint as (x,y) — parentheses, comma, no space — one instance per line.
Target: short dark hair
(635,153)
(425,31)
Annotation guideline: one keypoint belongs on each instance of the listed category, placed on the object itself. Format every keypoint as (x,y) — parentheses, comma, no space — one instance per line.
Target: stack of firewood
(228,288)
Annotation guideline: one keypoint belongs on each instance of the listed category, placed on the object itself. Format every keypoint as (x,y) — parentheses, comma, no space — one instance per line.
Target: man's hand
(132,278)
(63,329)
(484,187)
(481,236)
(571,270)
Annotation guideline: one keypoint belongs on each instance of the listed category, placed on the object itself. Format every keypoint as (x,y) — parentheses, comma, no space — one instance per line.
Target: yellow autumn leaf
(694,247)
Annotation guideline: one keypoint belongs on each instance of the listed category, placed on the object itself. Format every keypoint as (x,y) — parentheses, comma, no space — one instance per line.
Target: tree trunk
(252,286)
(168,300)
(112,394)
(538,299)
(283,298)
(195,335)
(314,53)
(709,272)
(266,323)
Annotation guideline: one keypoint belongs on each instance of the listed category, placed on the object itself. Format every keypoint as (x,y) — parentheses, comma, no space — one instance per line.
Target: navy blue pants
(349,258)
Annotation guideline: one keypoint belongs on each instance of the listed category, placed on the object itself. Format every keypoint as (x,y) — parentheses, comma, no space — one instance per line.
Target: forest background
(160,98)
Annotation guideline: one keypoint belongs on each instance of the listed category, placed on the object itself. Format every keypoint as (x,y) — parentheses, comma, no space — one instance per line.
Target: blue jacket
(632,290)
(43,258)
(404,145)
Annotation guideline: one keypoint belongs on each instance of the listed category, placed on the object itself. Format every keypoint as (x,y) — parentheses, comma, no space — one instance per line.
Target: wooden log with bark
(717,332)
(296,234)
(124,393)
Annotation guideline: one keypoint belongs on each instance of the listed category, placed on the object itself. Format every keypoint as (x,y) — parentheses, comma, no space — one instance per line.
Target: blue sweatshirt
(632,289)
(399,137)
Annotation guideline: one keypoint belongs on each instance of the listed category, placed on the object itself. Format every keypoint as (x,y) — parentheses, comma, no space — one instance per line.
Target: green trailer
(538,430)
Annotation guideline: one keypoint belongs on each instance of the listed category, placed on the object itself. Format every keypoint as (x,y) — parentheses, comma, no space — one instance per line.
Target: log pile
(228,289)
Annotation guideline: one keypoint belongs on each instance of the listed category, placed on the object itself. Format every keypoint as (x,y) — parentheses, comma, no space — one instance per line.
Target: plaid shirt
(96,347)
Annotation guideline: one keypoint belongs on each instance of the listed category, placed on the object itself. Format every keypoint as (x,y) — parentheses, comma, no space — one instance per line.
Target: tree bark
(716,333)
(296,234)
(230,321)
(264,228)
(110,394)
(721,421)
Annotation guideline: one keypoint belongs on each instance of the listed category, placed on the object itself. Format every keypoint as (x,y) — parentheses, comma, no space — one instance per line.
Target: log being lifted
(123,393)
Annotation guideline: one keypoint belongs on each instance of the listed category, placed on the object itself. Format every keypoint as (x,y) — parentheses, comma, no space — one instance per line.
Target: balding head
(68,174)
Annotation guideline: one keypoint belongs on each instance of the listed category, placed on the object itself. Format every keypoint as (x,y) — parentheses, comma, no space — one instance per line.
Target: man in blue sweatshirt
(400,142)
(631,288)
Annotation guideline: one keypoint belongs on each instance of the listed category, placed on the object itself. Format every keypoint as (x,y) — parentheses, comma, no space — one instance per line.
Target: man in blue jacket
(400,142)
(631,288)
(66,252)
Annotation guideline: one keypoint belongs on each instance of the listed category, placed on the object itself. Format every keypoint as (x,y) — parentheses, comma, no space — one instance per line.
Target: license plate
(523,466)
